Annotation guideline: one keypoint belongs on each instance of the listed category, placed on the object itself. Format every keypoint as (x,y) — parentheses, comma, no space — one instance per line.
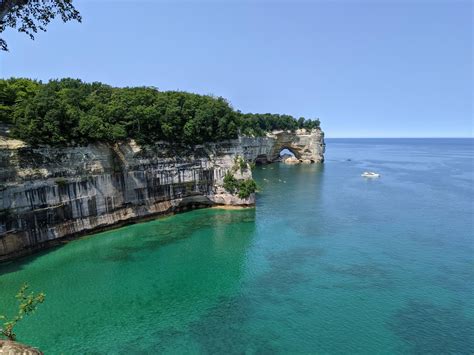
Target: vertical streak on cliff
(50,193)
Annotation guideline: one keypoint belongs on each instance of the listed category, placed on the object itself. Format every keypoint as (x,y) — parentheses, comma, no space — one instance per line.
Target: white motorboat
(370,174)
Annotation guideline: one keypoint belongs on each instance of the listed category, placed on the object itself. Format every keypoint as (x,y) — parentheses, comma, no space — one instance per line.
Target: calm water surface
(328,262)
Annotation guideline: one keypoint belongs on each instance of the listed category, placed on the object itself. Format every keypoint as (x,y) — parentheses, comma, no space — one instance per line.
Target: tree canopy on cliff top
(71,112)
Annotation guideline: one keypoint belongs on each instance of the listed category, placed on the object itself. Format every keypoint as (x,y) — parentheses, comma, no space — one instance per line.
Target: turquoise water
(328,262)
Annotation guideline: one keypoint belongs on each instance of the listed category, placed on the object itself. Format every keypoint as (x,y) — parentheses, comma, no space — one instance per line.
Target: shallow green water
(327,263)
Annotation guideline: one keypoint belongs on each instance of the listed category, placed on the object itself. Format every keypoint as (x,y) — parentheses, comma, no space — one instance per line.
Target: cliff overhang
(50,194)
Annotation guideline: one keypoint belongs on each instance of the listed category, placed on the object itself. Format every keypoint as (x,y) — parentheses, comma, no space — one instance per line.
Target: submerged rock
(285,156)
(291,160)
(14,348)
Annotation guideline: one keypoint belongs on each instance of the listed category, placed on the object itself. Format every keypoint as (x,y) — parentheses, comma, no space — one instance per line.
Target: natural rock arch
(295,153)
(306,145)
(55,192)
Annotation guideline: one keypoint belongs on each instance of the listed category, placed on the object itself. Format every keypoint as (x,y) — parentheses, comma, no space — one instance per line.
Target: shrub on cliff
(230,182)
(247,187)
(239,164)
(243,188)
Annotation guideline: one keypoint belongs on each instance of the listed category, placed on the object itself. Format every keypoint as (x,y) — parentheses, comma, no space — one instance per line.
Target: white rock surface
(50,193)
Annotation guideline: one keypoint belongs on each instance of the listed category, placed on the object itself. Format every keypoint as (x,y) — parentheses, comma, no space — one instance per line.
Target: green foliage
(28,304)
(231,184)
(31,16)
(258,124)
(247,187)
(70,112)
(243,188)
(13,92)
(242,164)
(239,164)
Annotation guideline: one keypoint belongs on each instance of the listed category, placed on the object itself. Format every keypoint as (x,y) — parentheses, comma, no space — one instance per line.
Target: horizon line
(399,137)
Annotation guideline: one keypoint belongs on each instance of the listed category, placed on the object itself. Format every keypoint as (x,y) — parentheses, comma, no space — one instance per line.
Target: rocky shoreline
(50,195)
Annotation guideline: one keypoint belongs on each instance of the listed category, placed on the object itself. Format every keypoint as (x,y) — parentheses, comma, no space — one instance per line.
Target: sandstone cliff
(48,194)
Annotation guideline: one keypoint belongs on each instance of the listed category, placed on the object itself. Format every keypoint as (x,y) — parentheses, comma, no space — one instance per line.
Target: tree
(247,187)
(31,16)
(301,122)
(243,188)
(13,91)
(69,112)
(27,305)
(230,182)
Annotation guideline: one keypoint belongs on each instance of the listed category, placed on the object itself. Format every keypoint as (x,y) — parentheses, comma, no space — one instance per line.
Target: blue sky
(366,68)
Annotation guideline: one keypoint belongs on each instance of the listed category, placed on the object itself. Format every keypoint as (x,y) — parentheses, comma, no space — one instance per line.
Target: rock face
(14,348)
(305,145)
(291,160)
(48,194)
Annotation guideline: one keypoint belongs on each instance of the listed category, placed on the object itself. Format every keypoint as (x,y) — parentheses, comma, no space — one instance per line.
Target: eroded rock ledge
(50,194)
(305,145)
(13,348)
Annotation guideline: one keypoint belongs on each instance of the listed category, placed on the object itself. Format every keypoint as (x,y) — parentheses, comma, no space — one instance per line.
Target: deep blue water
(328,262)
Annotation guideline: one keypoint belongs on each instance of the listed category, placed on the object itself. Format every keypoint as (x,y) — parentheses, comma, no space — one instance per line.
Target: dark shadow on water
(224,329)
(364,276)
(457,279)
(174,231)
(430,329)
(166,233)
(17,265)
(285,272)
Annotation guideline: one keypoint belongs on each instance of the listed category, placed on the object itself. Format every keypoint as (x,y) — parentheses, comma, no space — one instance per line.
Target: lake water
(328,262)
